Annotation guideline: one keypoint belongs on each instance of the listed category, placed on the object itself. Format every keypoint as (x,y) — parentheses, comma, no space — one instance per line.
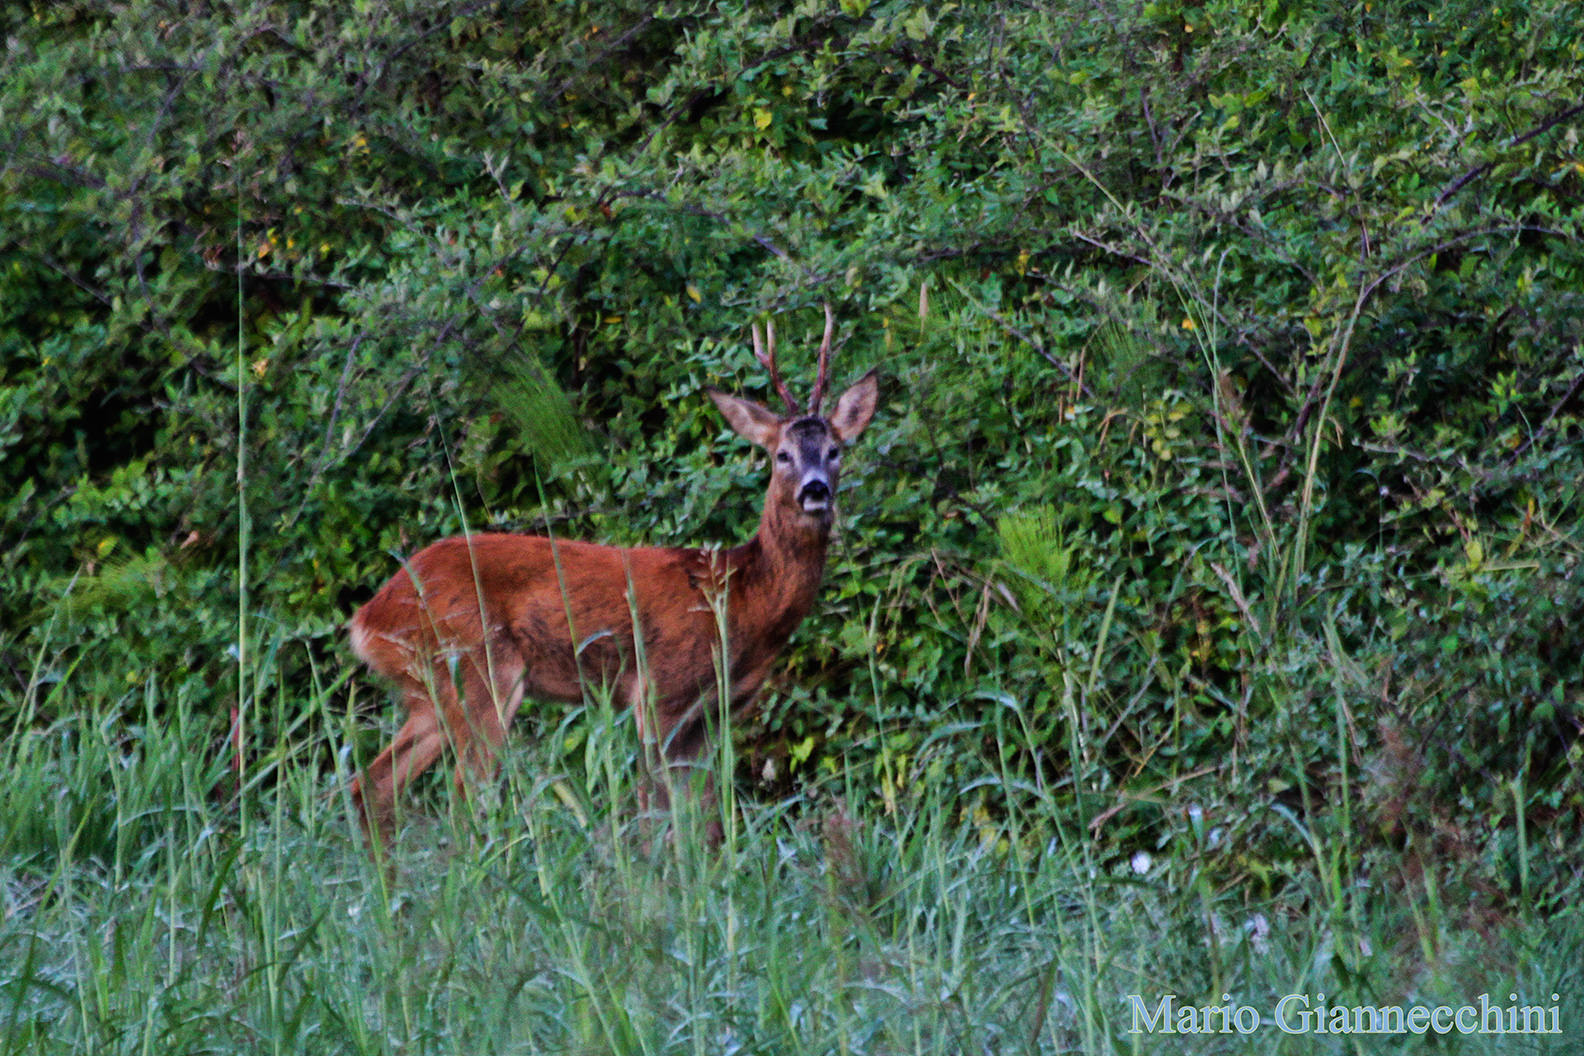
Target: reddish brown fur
(499,605)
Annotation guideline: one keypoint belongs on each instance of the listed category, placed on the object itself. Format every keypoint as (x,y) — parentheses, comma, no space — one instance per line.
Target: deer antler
(769,361)
(822,378)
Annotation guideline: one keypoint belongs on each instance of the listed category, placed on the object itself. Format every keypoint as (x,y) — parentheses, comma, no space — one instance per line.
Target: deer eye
(833,454)
(782,456)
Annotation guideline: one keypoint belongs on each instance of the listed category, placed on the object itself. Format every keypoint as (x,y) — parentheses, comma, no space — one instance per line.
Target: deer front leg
(686,761)
(676,760)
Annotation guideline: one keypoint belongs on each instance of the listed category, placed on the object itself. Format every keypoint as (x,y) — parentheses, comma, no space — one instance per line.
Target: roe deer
(510,615)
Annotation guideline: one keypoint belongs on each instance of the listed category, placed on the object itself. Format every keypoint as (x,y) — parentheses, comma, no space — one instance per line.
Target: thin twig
(1480,170)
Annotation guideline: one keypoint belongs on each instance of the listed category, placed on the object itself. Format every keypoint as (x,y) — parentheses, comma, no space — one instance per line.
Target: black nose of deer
(815,494)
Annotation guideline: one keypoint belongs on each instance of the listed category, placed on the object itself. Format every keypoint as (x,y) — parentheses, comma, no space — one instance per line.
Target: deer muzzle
(814,494)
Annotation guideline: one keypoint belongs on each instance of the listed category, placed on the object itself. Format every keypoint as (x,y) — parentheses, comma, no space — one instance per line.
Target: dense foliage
(1230,452)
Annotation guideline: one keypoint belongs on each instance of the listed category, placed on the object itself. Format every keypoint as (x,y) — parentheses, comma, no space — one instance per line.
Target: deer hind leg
(412,751)
(492,686)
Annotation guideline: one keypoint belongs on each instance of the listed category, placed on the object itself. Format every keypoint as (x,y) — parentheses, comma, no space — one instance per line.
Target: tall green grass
(140,914)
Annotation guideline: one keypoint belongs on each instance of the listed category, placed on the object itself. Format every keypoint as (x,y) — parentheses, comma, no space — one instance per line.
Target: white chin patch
(816,506)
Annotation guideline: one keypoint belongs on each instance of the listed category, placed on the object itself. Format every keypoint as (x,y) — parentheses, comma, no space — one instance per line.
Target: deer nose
(815,490)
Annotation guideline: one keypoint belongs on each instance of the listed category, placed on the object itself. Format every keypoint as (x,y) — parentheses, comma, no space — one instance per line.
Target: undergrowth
(142,915)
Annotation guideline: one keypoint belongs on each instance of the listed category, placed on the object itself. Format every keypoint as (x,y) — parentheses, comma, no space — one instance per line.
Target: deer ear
(749,420)
(855,408)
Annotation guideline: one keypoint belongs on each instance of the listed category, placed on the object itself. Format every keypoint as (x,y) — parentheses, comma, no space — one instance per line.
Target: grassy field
(143,914)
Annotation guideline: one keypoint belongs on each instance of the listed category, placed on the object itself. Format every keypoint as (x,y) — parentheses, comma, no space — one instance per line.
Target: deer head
(805,446)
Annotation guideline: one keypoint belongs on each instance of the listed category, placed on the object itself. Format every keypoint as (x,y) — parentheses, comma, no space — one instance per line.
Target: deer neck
(775,577)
